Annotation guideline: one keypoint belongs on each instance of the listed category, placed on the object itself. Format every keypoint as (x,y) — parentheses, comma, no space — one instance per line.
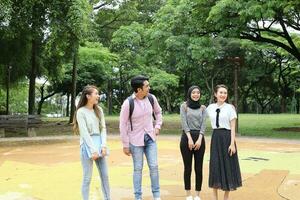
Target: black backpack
(131,107)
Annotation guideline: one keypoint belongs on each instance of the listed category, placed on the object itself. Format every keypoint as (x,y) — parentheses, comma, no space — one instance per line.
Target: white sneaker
(189,198)
(157,198)
(197,198)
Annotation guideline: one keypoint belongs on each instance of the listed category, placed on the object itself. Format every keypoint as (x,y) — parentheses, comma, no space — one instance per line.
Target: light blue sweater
(88,124)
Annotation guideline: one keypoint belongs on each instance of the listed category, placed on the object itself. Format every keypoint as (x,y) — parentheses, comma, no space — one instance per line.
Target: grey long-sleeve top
(88,124)
(192,119)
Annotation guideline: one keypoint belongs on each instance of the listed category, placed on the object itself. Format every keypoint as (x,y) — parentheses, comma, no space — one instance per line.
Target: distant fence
(19,122)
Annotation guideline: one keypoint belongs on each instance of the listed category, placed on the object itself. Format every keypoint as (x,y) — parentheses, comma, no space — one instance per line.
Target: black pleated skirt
(224,170)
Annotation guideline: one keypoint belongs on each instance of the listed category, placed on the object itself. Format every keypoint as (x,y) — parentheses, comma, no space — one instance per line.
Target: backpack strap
(131,108)
(151,99)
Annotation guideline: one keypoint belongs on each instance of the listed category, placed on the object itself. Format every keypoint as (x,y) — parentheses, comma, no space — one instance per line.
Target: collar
(221,106)
(133,95)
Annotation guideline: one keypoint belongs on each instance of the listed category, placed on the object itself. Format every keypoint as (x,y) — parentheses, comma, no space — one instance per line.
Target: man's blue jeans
(87,167)
(150,151)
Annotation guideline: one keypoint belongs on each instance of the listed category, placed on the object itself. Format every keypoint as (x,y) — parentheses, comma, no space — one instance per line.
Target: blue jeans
(150,150)
(87,168)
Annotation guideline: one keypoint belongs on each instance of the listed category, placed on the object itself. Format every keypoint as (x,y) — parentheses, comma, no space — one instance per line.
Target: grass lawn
(264,125)
(267,125)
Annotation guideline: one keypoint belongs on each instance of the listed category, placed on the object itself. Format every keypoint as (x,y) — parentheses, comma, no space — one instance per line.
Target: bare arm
(232,148)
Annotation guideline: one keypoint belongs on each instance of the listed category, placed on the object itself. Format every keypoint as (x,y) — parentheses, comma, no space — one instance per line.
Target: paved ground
(49,169)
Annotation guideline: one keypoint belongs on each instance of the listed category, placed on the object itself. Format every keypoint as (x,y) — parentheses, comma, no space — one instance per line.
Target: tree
(164,84)
(95,67)
(18,31)
(5,13)
(111,15)
(274,22)
(77,27)
(18,98)
(169,41)
(285,67)
(128,42)
(264,93)
(34,27)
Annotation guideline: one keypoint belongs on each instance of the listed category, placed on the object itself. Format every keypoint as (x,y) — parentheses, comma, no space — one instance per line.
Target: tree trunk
(245,105)
(40,105)
(236,87)
(68,105)
(298,103)
(42,99)
(168,104)
(244,96)
(212,96)
(109,96)
(7,89)
(186,84)
(121,88)
(283,104)
(74,79)
(262,109)
(32,76)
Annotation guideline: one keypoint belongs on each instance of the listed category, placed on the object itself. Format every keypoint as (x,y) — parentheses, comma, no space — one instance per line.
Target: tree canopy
(177,43)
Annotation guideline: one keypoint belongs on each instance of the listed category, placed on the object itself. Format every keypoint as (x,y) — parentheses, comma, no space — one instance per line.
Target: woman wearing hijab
(192,142)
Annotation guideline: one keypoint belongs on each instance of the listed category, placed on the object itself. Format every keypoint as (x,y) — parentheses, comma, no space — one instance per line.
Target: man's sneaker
(157,198)
(197,198)
(189,198)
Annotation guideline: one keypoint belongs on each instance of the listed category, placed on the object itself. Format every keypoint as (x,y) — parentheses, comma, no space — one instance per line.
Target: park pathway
(48,168)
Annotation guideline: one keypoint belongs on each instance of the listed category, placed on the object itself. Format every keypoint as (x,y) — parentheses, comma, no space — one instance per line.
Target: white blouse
(227,113)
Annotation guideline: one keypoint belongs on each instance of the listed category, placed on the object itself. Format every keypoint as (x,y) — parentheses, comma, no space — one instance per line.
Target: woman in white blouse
(224,169)
(89,122)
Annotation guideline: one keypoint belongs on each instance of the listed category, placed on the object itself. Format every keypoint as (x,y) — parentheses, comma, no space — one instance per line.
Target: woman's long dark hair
(87,90)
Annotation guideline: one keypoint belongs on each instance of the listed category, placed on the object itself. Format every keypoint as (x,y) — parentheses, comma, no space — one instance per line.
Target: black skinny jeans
(187,156)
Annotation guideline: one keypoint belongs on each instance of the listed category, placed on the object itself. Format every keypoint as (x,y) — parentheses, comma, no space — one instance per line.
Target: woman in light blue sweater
(90,124)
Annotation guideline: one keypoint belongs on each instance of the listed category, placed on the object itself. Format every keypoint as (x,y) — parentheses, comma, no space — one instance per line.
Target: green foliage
(95,64)
(18,98)
(5,12)
(78,18)
(260,21)
(177,43)
(122,13)
(128,42)
(163,82)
